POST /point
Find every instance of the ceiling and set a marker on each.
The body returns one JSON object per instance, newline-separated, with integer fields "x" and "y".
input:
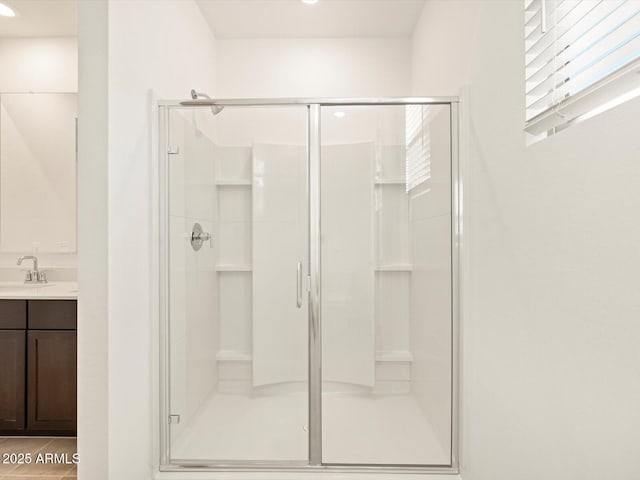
{"x": 327, "y": 18}
{"x": 243, "y": 18}
{"x": 40, "y": 18}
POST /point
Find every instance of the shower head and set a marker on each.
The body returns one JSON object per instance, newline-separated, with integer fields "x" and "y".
{"x": 216, "y": 109}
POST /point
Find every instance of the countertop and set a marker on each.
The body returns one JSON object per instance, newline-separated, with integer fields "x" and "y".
{"x": 48, "y": 291}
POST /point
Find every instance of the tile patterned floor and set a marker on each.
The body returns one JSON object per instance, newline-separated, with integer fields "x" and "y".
{"x": 37, "y": 447}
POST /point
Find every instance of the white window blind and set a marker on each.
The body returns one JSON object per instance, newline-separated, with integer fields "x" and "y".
{"x": 580, "y": 56}
{"x": 418, "y": 145}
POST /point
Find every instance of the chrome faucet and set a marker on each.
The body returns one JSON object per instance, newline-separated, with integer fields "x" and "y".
{"x": 35, "y": 275}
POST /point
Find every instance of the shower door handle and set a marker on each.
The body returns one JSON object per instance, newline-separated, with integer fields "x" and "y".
{"x": 299, "y": 286}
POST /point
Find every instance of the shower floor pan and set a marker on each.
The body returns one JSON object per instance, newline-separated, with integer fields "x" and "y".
{"x": 357, "y": 429}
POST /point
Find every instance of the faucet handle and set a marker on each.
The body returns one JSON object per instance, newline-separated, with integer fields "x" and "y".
{"x": 28, "y": 277}
{"x": 42, "y": 277}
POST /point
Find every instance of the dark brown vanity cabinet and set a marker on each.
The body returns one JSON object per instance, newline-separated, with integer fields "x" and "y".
{"x": 38, "y": 367}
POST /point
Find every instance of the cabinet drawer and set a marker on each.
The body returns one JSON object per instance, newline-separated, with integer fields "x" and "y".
{"x": 13, "y": 314}
{"x": 52, "y": 314}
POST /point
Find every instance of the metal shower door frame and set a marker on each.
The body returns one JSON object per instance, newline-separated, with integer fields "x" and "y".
{"x": 314, "y": 106}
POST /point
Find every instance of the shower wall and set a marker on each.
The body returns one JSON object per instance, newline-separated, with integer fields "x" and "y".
{"x": 279, "y": 241}
{"x": 347, "y": 242}
{"x": 234, "y": 170}
{"x": 393, "y": 269}
{"x": 324, "y": 68}
{"x": 316, "y": 68}
{"x": 383, "y": 213}
{"x": 260, "y": 161}
{"x": 366, "y": 301}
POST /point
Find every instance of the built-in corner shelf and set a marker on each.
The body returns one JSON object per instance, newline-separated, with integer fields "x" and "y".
{"x": 233, "y": 183}
{"x": 233, "y": 356}
{"x": 233, "y": 268}
{"x": 394, "y": 267}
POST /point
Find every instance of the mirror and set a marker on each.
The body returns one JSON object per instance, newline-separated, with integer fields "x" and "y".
{"x": 38, "y": 172}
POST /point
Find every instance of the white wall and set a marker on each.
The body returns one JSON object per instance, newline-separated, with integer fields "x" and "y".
{"x": 313, "y": 67}
{"x": 149, "y": 48}
{"x": 347, "y": 245}
{"x": 39, "y": 65}
{"x": 551, "y": 364}
{"x": 157, "y": 57}
{"x": 93, "y": 241}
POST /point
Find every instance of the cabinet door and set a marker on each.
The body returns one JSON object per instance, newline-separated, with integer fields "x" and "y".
{"x": 12, "y": 358}
{"x": 51, "y": 377}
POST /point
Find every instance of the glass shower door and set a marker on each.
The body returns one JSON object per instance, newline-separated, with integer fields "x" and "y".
{"x": 237, "y": 305}
{"x": 387, "y": 291}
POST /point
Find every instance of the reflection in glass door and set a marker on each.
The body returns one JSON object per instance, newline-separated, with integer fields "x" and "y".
{"x": 386, "y": 263}
{"x": 237, "y": 295}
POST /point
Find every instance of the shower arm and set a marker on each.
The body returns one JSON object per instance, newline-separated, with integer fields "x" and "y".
{"x": 215, "y": 109}
{"x": 195, "y": 95}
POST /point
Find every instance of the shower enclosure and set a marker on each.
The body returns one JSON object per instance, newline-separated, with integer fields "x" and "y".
{"x": 309, "y": 284}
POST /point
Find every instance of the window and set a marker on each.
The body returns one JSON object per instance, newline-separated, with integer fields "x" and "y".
{"x": 418, "y": 144}
{"x": 582, "y": 57}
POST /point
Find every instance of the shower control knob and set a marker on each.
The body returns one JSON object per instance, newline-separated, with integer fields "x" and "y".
{"x": 198, "y": 237}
